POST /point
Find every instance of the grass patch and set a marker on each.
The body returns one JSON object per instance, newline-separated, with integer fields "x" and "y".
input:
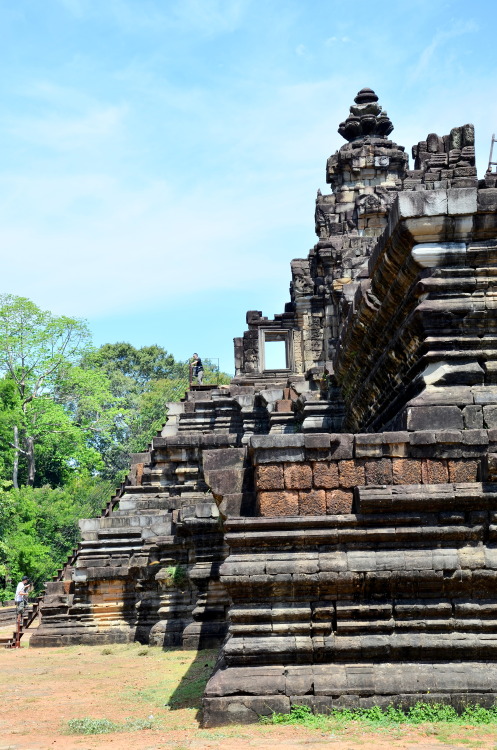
{"x": 180, "y": 685}
{"x": 189, "y": 693}
{"x": 420, "y": 713}
{"x": 105, "y": 726}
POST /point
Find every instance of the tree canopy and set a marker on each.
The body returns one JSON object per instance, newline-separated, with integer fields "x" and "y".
{"x": 70, "y": 415}
{"x": 36, "y": 348}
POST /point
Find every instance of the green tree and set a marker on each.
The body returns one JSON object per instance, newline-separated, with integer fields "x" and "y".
{"x": 39, "y": 527}
{"x": 144, "y": 380}
{"x": 35, "y": 347}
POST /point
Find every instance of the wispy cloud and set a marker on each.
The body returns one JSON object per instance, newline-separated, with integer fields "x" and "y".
{"x": 101, "y": 261}
{"x": 207, "y": 17}
{"x": 426, "y": 57}
{"x": 336, "y": 40}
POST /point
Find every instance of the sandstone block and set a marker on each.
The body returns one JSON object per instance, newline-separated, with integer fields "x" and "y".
{"x": 269, "y": 477}
{"x": 229, "y": 458}
{"x": 351, "y": 473}
{"x": 475, "y": 437}
{"x": 368, "y": 446}
{"x": 298, "y": 477}
{"x": 318, "y": 441}
{"x": 492, "y": 467}
{"x": 325, "y": 475}
{"x": 462, "y": 200}
{"x": 396, "y": 444}
{"x": 490, "y": 416}
{"x": 412, "y": 204}
{"x": 342, "y": 446}
{"x": 406, "y": 471}
{"x": 379, "y": 472}
{"x": 312, "y": 502}
{"x": 434, "y": 417}
{"x": 278, "y": 503}
{"x": 434, "y": 471}
{"x": 473, "y": 417}
{"x": 224, "y": 481}
{"x": 339, "y": 502}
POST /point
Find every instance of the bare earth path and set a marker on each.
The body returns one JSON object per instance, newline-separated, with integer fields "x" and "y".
{"x": 41, "y": 689}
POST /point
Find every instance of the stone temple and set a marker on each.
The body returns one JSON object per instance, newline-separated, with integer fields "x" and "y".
{"x": 331, "y": 525}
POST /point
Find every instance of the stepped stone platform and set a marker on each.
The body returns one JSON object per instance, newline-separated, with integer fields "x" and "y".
{"x": 333, "y": 523}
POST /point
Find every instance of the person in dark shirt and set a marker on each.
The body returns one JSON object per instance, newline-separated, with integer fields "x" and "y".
{"x": 197, "y": 368}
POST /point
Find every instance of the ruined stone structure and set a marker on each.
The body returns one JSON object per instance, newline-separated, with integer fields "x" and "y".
{"x": 335, "y": 521}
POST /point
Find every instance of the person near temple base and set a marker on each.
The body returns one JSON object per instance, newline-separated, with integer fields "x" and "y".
{"x": 21, "y": 598}
{"x": 197, "y": 368}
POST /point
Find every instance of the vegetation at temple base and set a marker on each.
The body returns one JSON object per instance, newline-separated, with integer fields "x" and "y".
{"x": 105, "y": 726}
{"x": 421, "y": 713}
{"x": 70, "y": 415}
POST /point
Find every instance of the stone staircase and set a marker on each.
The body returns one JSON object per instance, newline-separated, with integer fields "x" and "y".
{"x": 28, "y": 618}
{"x": 147, "y": 569}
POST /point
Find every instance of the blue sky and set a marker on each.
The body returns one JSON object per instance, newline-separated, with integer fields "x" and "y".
{"x": 160, "y": 158}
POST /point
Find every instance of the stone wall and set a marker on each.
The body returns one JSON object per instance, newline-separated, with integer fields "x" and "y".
{"x": 384, "y": 596}
{"x": 316, "y": 474}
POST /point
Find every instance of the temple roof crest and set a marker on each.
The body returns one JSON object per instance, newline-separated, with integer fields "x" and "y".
{"x": 366, "y": 118}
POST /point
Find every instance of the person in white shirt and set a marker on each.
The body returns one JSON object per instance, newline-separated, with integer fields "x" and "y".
{"x": 21, "y": 598}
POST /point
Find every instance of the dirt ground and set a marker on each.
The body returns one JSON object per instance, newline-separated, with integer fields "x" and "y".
{"x": 42, "y": 689}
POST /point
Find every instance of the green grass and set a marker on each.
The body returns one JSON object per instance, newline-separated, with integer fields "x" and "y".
{"x": 105, "y": 726}
{"x": 176, "y": 575}
{"x": 181, "y": 684}
{"x": 420, "y": 713}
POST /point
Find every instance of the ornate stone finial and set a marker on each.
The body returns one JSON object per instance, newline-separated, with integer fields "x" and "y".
{"x": 365, "y": 96}
{"x": 366, "y": 118}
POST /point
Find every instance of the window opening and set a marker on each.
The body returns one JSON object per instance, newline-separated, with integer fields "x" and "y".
{"x": 275, "y": 355}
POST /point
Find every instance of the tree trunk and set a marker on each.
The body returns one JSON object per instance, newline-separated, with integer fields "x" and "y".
{"x": 15, "y": 472}
{"x": 30, "y": 453}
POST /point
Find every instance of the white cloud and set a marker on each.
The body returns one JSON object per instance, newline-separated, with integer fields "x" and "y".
{"x": 440, "y": 38}
{"x": 131, "y": 246}
{"x": 334, "y": 39}
{"x": 301, "y": 50}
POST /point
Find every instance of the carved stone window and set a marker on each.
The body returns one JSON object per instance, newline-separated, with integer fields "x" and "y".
{"x": 276, "y": 352}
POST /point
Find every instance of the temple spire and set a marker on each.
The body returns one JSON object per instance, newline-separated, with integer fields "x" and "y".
{"x": 366, "y": 118}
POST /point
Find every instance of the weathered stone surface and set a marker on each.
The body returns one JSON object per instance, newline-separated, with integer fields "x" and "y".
{"x": 269, "y": 477}
{"x": 463, "y": 471}
{"x": 298, "y": 476}
{"x": 428, "y": 417}
{"x": 379, "y": 472}
{"x": 312, "y": 502}
{"x": 339, "y": 501}
{"x": 434, "y": 471}
{"x": 351, "y": 473}
{"x": 325, "y": 475}
{"x": 278, "y": 503}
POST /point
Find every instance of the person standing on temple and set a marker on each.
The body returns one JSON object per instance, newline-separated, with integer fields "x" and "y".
{"x": 197, "y": 368}
{"x": 21, "y": 598}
